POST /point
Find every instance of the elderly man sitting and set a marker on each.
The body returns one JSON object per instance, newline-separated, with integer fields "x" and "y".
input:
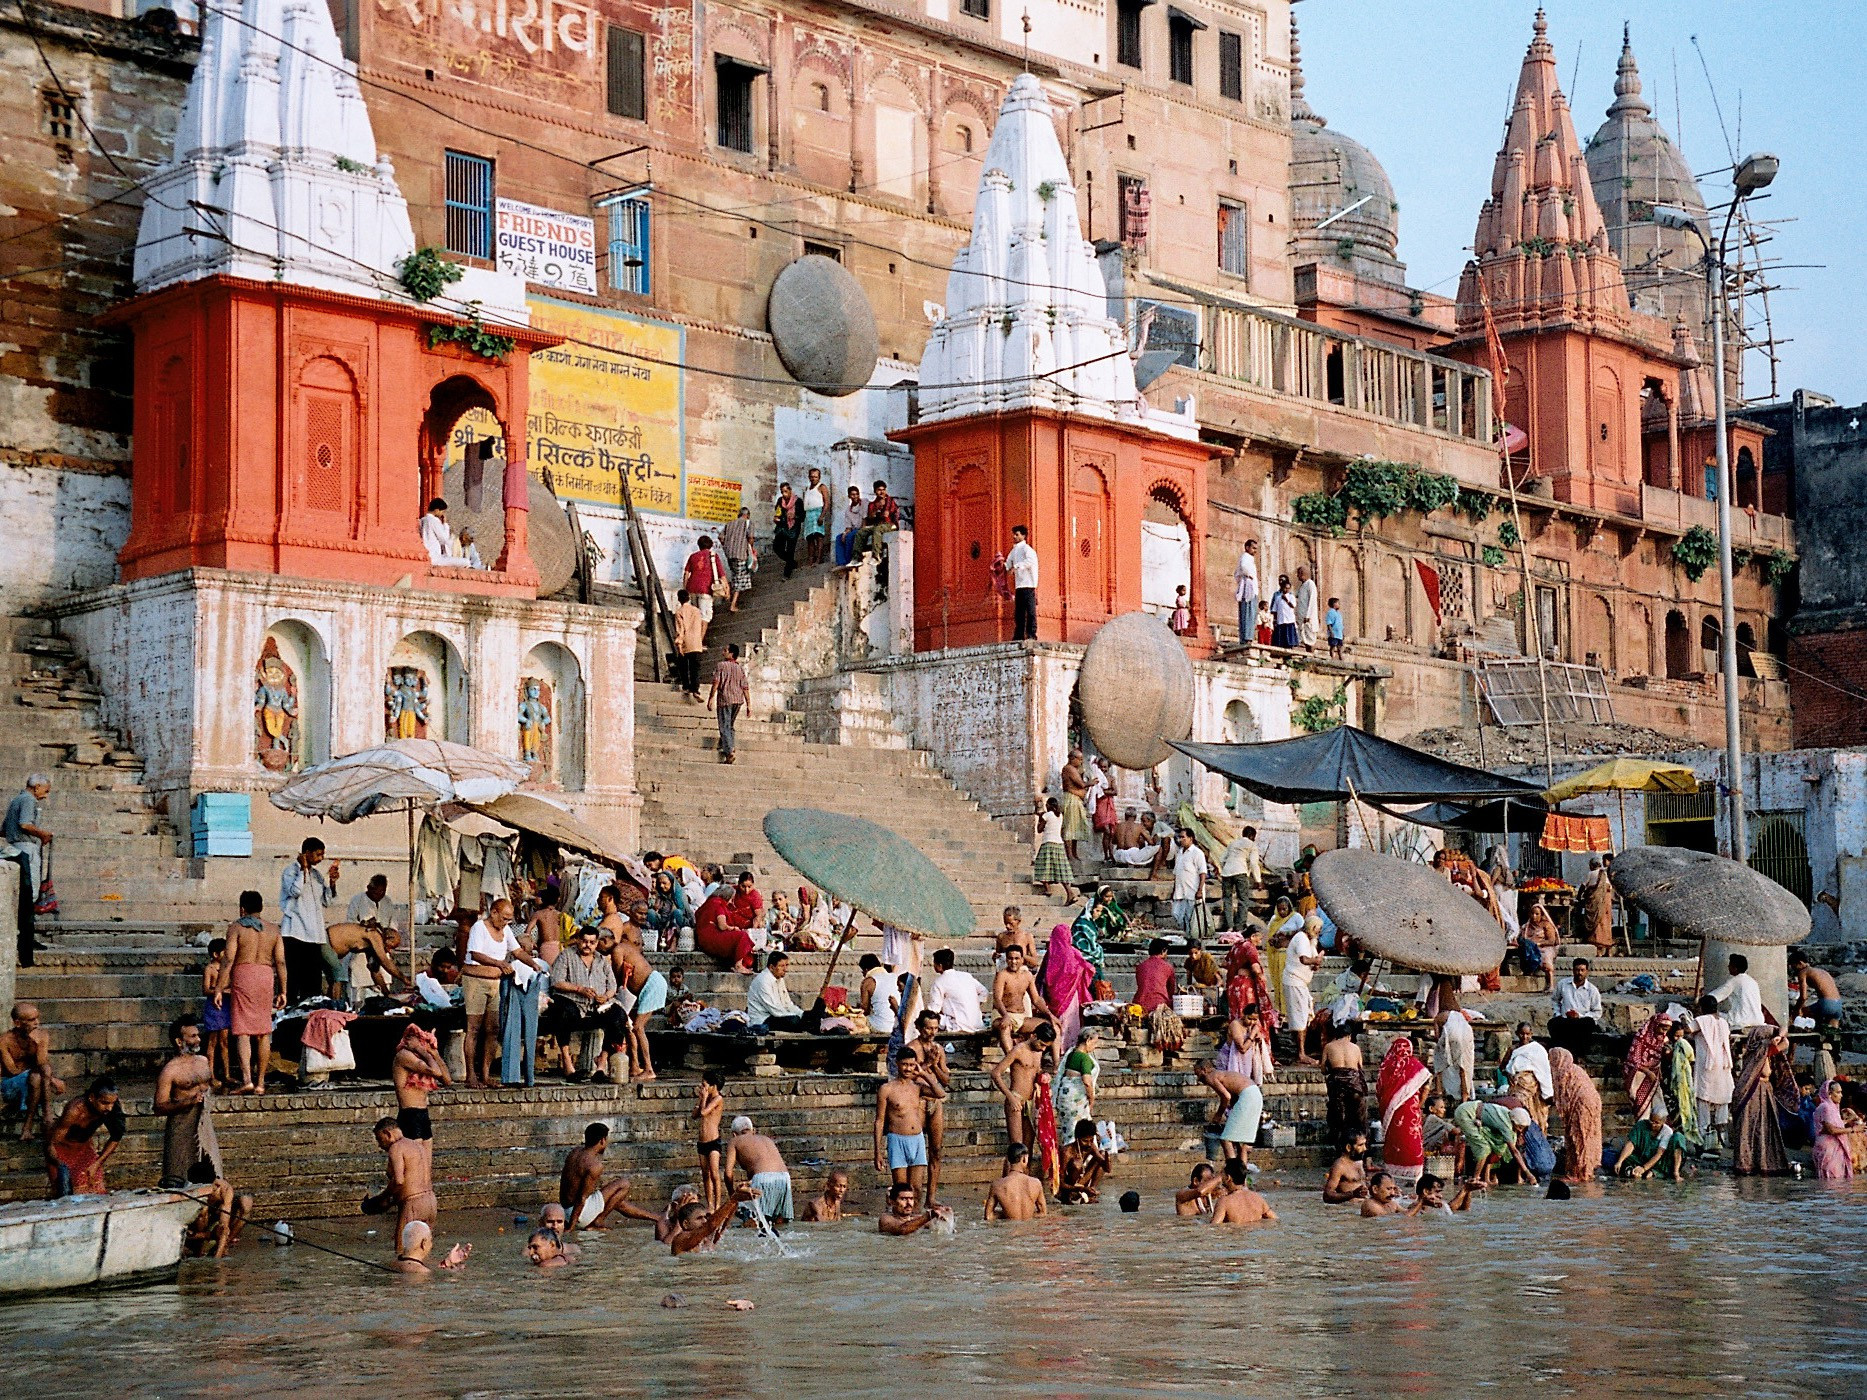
{"x": 1140, "y": 843}
{"x": 768, "y": 1000}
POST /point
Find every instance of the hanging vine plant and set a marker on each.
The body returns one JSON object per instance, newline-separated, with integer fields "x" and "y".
{"x": 1475, "y": 506}
{"x": 1695, "y": 551}
{"x": 473, "y": 337}
{"x": 1777, "y": 565}
{"x": 1493, "y": 557}
{"x": 1507, "y": 534}
{"x": 1319, "y": 713}
{"x": 1320, "y": 511}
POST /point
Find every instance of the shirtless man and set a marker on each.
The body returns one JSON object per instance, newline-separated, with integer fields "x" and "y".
{"x": 1015, "y": 1077}
{"x": 588, "y": 1200}
{"x": 1348, "y": 1174}
{"x": 415, "y": 1242}
{"x": 73, "y": 1166}
{"x": 546, "y": 925}
{"x": 1139, "y": 843}
{"x": 901, "y": 1217}
{"x": 755, "y": 1154}
{"x": 1084, "y": 1166}
{"x": 1430, "y": 1197}
{"x": 1817, "y": 996}
{"x": 182, "y": 1099}
{"x": 1240, "y": 1205}
{"x": 417, "y": 1069}
{"x": 901, "y": 1119}
{"x": 544, "y": 1248}
{"x": 709, "y": 1108}
{"x": 1015, "y": 998}
{"x": 695, "y": 1229}
{"x": 933, "y": 1058}
{"x": 410, "y": 1184}
{"x": 380, "y": 944}
{"x": 1014, "y": 935}
{"x": 650, "y": 990}
{"x": 1383, "y": 1197}
{"x": 1075, "y": 783}
{"x": 256, "y": 980}
{"x": 1016, "y": 1195}
{"x": 828, "y": 1208}
{"x": 26, "y": 1078}
{"x": 216, "y": 1229}
{"x": 614, "y": 921}
{"x": 1195, "y": 1198}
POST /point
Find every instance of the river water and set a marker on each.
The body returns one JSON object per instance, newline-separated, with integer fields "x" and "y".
{"x": 1740, "y": 1288}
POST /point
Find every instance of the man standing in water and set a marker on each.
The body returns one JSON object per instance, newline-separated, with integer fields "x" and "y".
{"x": 1016, "y": 1195}
{"x": 415, "y": 1242}
{"x": 827, "y": 1208}
{"x": 1015, "y": 1077}
{"x": 410, "y": 1185}
{"x": 182, "y": 1099}
{"x": 758, "y": 1156}
{"x": 1240, "y": 1205}
{"x": 901, "y": 1217}
{"x": 1348, "y": 1174}
{"x": 901, "y": 1119}
{"x": 933, "y": 1059}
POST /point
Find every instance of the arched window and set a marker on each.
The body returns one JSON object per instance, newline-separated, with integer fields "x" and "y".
{"x": 1748, "y": 496}
{"x": 1746, "y": 648}
{"x": 1678, "y": 646}
{"x": 965, "y": 138}
{"x": 820, "y": 93}
{"x": 1166, "y": 555}
{"x": 324, "y": 476}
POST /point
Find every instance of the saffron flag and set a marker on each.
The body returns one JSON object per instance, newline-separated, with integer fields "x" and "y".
{"x": 1429, "y": 580}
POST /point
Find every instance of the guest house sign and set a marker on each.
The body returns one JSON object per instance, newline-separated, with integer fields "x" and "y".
{"x": 547, "y": 248}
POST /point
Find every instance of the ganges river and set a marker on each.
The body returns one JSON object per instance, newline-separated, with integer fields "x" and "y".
{"x": 1713, "y": 1287}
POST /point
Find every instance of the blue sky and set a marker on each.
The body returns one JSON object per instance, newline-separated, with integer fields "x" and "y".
{"x": 1426, "y": 86}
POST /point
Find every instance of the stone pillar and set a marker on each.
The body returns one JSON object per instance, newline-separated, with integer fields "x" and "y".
{"x": 1770, "y": 966}
{"x": 9, "y": 934}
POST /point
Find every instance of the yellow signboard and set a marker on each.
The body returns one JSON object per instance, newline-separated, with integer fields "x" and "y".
{"x": 712, "y": 498}
{"x": 609, "y": 400}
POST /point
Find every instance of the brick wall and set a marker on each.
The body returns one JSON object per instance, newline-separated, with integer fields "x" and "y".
{"x": 68, "y": 214}
{"x": 1828, "y": 688}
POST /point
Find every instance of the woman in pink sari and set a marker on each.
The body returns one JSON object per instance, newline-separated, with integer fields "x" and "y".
{"x": 1402, "y": 1090}
{"x": 1066, "y": 976}
{"x": 1833, "y": 1161}
{"x": 1579, "y": 1102}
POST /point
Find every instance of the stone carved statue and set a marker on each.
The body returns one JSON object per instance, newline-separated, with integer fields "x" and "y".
{"x": 534, "y": 716}
{"x": 405, "y": 703}
{"x": 275, "y": 711}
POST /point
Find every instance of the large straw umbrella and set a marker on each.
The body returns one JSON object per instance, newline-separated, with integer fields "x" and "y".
{"x": 872, "y": 870}
{"x": 1406, "y": 912}
{"x": 406, "y": 773}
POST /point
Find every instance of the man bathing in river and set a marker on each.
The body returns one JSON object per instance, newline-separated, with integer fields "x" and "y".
{"x": 901, "y": 1119}
{"x": 1084, "y": 1166}
{"x": 902, "y": 1216}
{"x": 417, "y": 1069}
{"x": 1383, "y": 1197}
{"x": 709, "y": 1108}
{"x": 766, "y": 1173}
{"x": 934, "y": 1063}
{"x": 1017, "y": 1195}
{"x": 545, "y": 1249}
{"x": 416, "y": 1242}
{"x": 74, "y": 1165}
{"x": 410, "y": 1185}
{"x": 829, "y": 1207}
{"x": 587, "y": 1198}
{"x": 1348, "y": 1174}
{"x": 1240, "y": 1205}
{"x": 695, "y": 1229}
{"x": 1195, "y": 1198}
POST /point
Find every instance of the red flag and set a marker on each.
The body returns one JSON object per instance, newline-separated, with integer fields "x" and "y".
{"x": 1494, "y": 347}
{"x": 1429, "y": 580}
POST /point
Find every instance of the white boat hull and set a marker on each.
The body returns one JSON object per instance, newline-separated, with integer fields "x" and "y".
{"x": 83, "y": 1241}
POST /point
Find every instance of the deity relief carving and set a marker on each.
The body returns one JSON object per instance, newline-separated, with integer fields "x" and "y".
{"x": 405, "y": 703}
{"x": 276, "y": 732}
{"x": 535, "y": 725}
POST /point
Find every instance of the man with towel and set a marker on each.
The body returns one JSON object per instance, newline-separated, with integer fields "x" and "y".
{"x": 1455, "y": 1056}
{"x": 256, "y": 978}
{"x": 758, "y": 1156}
{"x": 188, "y": 1139}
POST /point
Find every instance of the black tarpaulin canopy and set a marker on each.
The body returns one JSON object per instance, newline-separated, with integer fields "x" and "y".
{"x": 1506, "y": 814}
{"x": 1342, "y": 764}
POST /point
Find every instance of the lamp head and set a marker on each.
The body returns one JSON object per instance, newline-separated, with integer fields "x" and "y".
{"x": 1755, "y": 172}
{"x": 1674, "y": 218}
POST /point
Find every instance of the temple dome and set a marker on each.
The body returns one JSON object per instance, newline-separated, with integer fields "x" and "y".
{"x": 1329, "y": 173}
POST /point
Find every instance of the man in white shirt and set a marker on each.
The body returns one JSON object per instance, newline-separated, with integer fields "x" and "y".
{"x": 1301, "y": 959}
{"x": 1306, "y": 608}
{"x": 957, "y": 996}
{"x": 1245, "y": 590}
{"x": 768, "y": 1000}
{"x": 436, "y": 536}
{"x": 1577, "y": 1008}
{"x": 1745, "y": 996}
{"x": 304, "y": 894}
{"x": 373, "y": 906}
{"x": 1022, "y": 563}
{"x": 1189, "y": 880}
{"x": 1241, "y": 870}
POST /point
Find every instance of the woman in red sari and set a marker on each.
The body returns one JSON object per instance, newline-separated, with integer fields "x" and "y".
{"x": 719, "y": 934}
{"x": 1402, "y": 1089}
{"x": 1246, "y": 990}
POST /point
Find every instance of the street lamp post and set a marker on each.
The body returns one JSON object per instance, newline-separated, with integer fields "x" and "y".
{"x": 1752, "y": 174}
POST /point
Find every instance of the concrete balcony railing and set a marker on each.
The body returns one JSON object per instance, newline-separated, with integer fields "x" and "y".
{"x": 1677, "y": 510}
{"x": 1296, "y": 358}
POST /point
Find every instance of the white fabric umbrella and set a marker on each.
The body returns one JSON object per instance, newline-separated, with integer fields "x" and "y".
{"x": 406, "y": 773}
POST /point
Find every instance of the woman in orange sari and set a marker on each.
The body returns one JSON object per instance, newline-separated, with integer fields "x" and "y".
{"x": 1578, "y": 1101}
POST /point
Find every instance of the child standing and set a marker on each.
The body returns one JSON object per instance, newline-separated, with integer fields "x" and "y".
{"x": 216, "y": 1014}
{"x": 1333, "y": 622}
{"x": 1264, "y": 624}
{"x": 1180, "y": 622}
